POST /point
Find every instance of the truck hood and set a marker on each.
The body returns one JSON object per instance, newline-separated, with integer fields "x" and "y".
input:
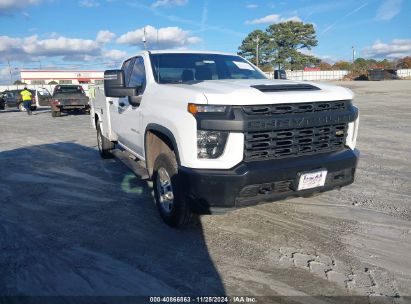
{"x": 243, "y": 92}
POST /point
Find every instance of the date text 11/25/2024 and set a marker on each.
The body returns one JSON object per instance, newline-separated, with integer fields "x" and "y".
{"x": 239, "y": 299}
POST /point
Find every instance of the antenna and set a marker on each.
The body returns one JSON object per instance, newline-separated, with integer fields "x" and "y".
{"x": 144, "y": 39}
{"x": 157, "y": 39}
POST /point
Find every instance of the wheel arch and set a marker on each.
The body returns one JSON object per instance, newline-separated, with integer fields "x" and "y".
{"x": 158, "y": 139}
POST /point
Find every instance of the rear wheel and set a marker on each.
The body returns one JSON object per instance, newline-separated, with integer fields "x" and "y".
{"x": 105, "y": 147}
{"x": 34, "y": 108}
{"x": 21, "y": 107}
{"x": 170, "y": 202}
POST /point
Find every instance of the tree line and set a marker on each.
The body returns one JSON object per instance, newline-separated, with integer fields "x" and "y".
{"x": 361, "y": 64}
{"x": 286, "y": 45}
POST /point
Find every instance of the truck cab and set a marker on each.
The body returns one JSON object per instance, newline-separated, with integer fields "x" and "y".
{"x": 215, "y": 134}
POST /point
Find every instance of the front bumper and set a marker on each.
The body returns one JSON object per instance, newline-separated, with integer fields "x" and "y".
{"x": 251, "y": 183}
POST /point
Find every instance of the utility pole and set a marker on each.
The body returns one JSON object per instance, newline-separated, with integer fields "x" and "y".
{"x": 353, "y": 54}
{"x": 258, "y": 41}
{"x": 11, "y": 75}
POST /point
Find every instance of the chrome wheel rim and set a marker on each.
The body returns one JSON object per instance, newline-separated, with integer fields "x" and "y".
{"x": 165, "y": 190}
{"x": 22, "y": 108}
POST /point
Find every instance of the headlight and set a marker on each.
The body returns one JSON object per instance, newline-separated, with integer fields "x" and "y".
{"x": 210, "y": 144}
{"x": 352, "y": 132}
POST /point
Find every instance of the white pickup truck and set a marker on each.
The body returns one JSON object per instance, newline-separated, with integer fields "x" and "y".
{"x": 214, "y": 133}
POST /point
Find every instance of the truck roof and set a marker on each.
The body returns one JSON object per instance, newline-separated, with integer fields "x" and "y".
{"x": 185, "y": 52}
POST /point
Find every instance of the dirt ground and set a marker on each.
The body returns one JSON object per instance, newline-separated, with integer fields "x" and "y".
{"x": 72, "y": 224}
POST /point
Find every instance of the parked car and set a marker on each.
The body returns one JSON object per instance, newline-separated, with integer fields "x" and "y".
{"x": 41, "y": 97}
{"x": 11, "y": 98}
{"x": 2, "y": 101}
{"x": 214, "y": 133}
{"x": 68, "y": 98}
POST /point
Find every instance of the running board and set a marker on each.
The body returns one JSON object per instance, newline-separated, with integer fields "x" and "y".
{"x": 132, "y": 163}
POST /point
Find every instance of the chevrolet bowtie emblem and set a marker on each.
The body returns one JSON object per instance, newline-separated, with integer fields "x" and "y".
{"x": 339, "y": 132}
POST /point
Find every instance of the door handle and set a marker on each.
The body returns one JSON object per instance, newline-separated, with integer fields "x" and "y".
{"x": 110, "y": 102}
{"x": 121, "y": 104}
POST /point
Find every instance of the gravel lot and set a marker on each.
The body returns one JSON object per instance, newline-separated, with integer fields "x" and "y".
{"x": 73, "y": 224}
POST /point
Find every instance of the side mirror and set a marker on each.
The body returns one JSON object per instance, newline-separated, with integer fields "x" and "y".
{"x": 114, "y": 84}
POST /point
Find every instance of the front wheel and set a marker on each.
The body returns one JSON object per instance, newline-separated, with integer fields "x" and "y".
{"x": 173, "y": 208}
{"x": 105, "y": 147}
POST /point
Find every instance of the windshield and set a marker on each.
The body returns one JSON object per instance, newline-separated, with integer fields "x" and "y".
{"x": 43, "y": 92}
{"x": 186, "y": 68}
{"x": 68, "y": 89}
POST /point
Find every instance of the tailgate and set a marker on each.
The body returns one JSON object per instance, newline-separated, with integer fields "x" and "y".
{"x": 71, "y": 100}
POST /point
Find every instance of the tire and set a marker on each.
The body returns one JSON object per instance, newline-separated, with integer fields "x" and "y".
{"x": 33, "y": 108}
{"x": 173, "y": 208}
{"x": 55, "y": 113}
{"x": 105, "y": 147}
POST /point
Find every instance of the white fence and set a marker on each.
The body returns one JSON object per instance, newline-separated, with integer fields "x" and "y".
{"x": 313, "y": 75}
{"x": 292, "y": 75}
{"x": 328, "y": 75}
{"x": 316, "y": 75}
{"x": 404, "y": 73}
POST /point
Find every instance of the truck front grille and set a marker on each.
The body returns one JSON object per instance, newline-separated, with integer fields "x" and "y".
{"x": 295, "y": 141}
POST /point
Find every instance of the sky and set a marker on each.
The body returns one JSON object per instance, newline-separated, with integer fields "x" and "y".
{"x": 100, "y": 34}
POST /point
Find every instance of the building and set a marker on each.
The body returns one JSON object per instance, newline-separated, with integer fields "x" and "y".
{"x": 42, "y": 77}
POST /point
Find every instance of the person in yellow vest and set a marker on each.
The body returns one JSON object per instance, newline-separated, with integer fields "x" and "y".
{"x": 26, "y": 97}
{"x": 91, "y": 93}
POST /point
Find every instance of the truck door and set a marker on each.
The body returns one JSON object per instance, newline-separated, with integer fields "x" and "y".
{"x": 117, "y": 110}
{"x": 130, "y": 133}
{"x": 43, "y": 97}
